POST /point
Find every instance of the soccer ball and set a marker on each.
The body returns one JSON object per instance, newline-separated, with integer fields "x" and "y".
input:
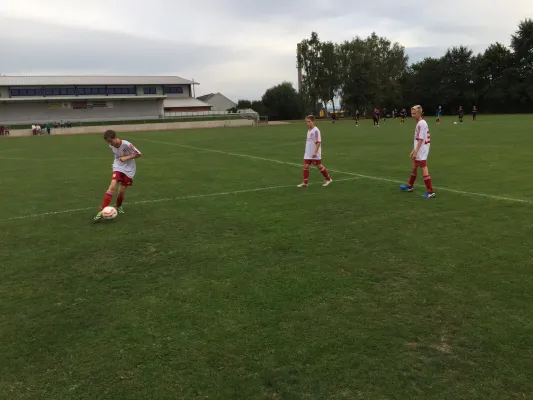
{"x": 109, "y": 212}
{"x": 455, "y": 123}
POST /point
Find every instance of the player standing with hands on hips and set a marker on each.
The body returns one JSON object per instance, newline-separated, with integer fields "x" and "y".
{"x": 420, "y": 154}
{"x": 313, "y": 152}
{"x": 124, "y": 169}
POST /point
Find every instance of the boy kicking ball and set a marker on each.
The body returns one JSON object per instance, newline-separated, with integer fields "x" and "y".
{"x": 313, "y": 152}
{"x": 123, "y": 170}
{"x": 420, "y": 154}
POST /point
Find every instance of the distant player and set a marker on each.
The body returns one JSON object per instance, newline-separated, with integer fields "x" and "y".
{"x": 375, "y": 116}
{"x": 438, "y": 113}
{"x": 403, "y": 114}
{"x": 474, "y": 113}
{"x": 460, "y": 114}
{"x": 420, "y": 154}
{"x": 313, "y": 152}
{"x": 124, "y": 169}
{"x": 356, "y": 117}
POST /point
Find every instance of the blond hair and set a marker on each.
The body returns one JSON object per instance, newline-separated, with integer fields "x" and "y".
{"x": 418, "y": 109}
{"x": 310, "y": 118}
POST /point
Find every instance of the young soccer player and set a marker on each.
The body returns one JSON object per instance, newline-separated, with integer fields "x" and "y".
{"x": 474, "y": 113}
{"x": 313, "y": 152}
{"x": 403, "y": 114}
{"x": 123, "y": 170}
{"x": 439, "y": 112}
{"x": 460, "y": 114}
{"x": 356, "y": 117}
{"x": 377, "y": 115}
{"x": 420, "y": 153}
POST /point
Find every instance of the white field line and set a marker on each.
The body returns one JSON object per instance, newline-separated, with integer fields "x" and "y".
{"x": 150, "y": 201}
{"x": 377, "y": 178}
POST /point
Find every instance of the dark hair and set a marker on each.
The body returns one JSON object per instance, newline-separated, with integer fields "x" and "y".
{"x": 110, "y": 134}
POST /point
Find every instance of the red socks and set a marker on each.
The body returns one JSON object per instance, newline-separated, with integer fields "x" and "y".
{"x": 412, "y": 179}
{"x": 107, "y": 200}
{"x": 306, "y": 175}
{"x": 324, "y": 172}
{"x": 427, "y": 181}
{"x": 120, "y": 199}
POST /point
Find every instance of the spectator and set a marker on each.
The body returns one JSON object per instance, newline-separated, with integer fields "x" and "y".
{"x": 48, "y": 127}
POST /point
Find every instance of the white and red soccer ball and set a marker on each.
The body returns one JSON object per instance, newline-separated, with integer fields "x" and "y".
{"x": 109, "y": 212}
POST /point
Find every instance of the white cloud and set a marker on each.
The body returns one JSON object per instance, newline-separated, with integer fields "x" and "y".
{"x": 236, "y": 47}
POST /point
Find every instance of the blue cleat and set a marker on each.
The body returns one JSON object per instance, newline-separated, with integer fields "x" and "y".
{"x": 406, "y": 188}
{"x": 428, "y": 195}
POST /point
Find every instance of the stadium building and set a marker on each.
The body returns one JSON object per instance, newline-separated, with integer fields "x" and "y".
{"x": 38, "y": 99}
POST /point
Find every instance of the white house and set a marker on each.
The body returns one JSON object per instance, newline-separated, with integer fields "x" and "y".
{"x": 218, "y": 101}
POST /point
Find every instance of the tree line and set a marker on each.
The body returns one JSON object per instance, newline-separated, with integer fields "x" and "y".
{"x": 363, "y": 73}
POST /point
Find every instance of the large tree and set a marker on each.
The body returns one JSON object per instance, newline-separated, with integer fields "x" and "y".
{"x": 495, "y": 78}
{"x": 522, "y": 45}
{"x": 308, "y": 59}
{"x": 282, "y": 102}
{"x": 373, "y": 71}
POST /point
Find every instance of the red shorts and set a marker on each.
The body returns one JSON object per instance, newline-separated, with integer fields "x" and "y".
{"x": 313, "y": 161}
{"x": 421, "y": 163}
{"x": 121, "y": 177}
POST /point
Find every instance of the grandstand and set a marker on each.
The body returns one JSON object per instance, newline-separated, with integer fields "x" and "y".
{"x": 31, "y": 99}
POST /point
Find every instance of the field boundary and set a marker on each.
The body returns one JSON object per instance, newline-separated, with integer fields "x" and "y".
{"x": 162, "y": 126}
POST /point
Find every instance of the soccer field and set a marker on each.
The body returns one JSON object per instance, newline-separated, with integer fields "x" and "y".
{"x": 224, "y": 281}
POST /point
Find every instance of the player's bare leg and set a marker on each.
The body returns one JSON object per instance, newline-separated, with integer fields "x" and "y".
{"x": 120, "y": 198}
{"x": 107, "y": 198}
{"x": 427, "y": 180}
{"x": 325, "y": 174}
{"x": 305, "y": 182}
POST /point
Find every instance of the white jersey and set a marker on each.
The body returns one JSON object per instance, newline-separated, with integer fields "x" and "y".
{"x": 313, "y": 137}
{"x": 125, "y": 149}
{"x": 422, "y": 133}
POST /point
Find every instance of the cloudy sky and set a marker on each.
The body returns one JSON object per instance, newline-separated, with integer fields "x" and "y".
{"x": 236, "y": 47}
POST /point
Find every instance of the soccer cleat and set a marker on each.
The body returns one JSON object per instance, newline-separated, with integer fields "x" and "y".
{"x": 302, "y": 185}
{"x": 326, "y": 183}
{"x": 406, "y": 188}
{"x": 98, "y": 216}
{"x": 428, "y": 195}
{"x": 120, "y": 210}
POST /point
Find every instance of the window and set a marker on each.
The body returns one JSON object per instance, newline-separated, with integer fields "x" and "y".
{"x": 20, "y": 92}
{"x": 150, "y": 90}
{"x": 56, "y": 91}
{"x": 52, "y": 91}
{"x": 91, "y": 91}
{"x": 121, "y": 90}
{"x": 172, "y": 89}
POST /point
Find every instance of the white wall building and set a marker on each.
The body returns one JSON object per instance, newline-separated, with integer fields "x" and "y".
{"x": 218, "y": 101}
{"x": 40, "y": 99}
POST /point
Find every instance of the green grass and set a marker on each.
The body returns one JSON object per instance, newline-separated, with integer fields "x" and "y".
{"x": 355, "y": 291}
